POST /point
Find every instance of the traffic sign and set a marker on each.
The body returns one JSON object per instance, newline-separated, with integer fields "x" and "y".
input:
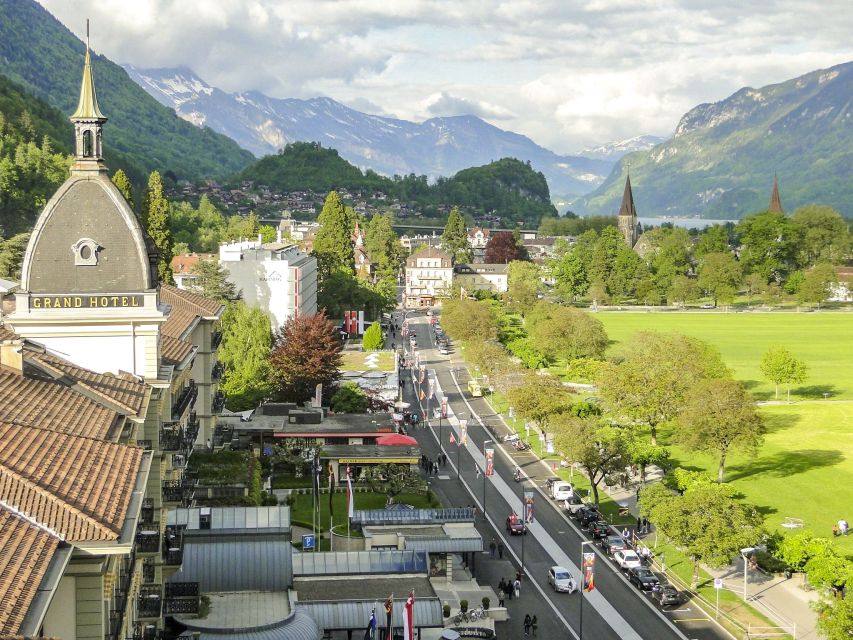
{"x": 718, "y": 583}
{"x": 307, "y": 542}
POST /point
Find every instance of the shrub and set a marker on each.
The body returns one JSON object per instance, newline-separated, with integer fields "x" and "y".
{"x": 373, "y": 340}
{"x": 486, "y": 602}
{"x": 463, "y": 606}
{"x": 445, "y": 610}
{"x": 350, "y": 398}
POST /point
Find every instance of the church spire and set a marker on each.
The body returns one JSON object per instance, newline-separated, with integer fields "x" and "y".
{"x": 88, "y": 122}
{"x": 627, "y": 219}
{"x": 775, "y": 200}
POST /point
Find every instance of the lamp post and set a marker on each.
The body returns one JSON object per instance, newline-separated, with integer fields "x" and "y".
{"x": 485, "y": 473}
{"x": 745, "y": 553}
{"x": 580, "y": 605}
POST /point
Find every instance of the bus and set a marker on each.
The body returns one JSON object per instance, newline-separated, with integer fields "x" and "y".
{"x": 474, "y": 389}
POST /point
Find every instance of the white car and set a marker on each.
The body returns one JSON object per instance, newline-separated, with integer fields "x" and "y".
{"x": 572, "y": 503}
{"x": 562, "y": 490}
{"x": 443, "y": 351}
{"x": 627, "y": 559}
{"x": 561, "y": 580}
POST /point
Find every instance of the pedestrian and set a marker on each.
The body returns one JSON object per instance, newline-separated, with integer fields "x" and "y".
{"x": 646, "y": 555}
{"x": 435, "y": 468}
{"x": 527, "y": 621}
{"x": 508, "y": 589}
{"x": 501, "y": 597}
{"x": 477, "y": 467}
{"x": 516, "y": 587}
{"x": 843, "y": 527}
{"x": 534, "y": 623}
{"x": 501, "y": 550}
{"x": 493, "y": 547}
{"x": 626, "y": 536}
{"x": 639, "y": 524}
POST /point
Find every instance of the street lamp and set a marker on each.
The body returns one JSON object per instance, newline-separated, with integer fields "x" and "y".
{"x": 745, "y": 553}
{"x": 485, "y": 473}
{"x": 580, "y": 613}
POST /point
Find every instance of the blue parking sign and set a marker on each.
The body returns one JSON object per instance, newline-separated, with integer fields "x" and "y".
{"x": 307, "y": 542}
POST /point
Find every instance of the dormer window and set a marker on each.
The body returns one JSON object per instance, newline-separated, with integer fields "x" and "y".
{"x": 85, "y": 252}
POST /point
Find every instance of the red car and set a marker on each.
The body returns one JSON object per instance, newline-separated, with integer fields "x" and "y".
{"x": 515, "y": 526}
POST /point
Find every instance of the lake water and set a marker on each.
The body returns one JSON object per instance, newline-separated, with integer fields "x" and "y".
{"x": 687, "y": 223}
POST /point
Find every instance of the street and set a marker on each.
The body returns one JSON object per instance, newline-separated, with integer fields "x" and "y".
{"x": 615, "y": 609}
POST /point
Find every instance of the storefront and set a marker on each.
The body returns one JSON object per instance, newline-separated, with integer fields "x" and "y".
{"x": 359, "y": 457}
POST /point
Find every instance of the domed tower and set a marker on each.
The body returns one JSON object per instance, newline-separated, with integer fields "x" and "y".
{"x": 88, "y": 286}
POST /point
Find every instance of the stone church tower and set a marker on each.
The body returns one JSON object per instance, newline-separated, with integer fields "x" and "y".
{"x": 627, "y": 219}
{"x": 89, "y": 281}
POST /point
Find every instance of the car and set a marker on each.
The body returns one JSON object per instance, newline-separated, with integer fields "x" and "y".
{"x": 443, "y": 351}
{"x": 611, "y": 544}
{"x": 580, "y": 513}
{"x": 627, "y": 559}
{"x": 561, "y": 580}
{"x": 599, "y": 529}
{"x": 429, "y": 313}
{"x": 588, "y": 518}
{"x": 515, "y": 526}
{"x": 562, "y": 490}
{"x": 666, "y": 595}
{"x": 549, "y": 483}
{"x": 573, "y": 503}
{"x": 707, "y": 306}
{"x": 643, "y": 578}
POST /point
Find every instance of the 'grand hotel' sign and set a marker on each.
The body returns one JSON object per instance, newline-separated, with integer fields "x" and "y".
{"x": 86, "y": 302}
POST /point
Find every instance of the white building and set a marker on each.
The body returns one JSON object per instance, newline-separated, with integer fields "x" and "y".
{"x": 482, "y": 277}
{"x": 275, "y": 276}
{"x": 429, "y": 273}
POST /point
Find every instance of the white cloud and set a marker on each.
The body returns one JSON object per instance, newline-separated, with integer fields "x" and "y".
{"x": 567, "y": 73}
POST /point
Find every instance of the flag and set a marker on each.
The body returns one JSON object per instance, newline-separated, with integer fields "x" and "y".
{"x": 452, "y": 438}
{"x": 350, "y": 496}
{"x": 370, "y": 633}
{"x": 331, "y": 490}
{"x": 588, "y": 569}
{"x": 409, "y": 618}
{"x": 423, "y": 395}
{"x": 389, "y": 610}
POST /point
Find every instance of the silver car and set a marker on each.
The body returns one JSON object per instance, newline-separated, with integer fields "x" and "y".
{"x": 561, "y": 580}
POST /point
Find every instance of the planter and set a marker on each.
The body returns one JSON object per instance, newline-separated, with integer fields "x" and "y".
{"x": 340, "y": 542}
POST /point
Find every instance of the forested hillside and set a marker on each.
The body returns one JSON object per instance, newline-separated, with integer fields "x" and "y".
{"x": 46, "y": 59}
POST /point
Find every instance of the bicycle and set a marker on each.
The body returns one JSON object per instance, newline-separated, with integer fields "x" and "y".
{"x": 477, "y": 614}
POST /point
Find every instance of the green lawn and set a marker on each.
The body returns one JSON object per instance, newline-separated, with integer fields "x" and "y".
{"x": 355, "y": 361}
{"x": 823, "y": 340}
{"x": 804, "y": 470}
{"x": 300, "y": 510}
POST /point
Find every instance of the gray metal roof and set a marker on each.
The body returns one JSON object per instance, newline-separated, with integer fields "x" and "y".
{"x": 298, "y": 626}
{"x": 237, "y": 563}
{"x": 368, "y": 451}
{"x": 355, "y": 614}
{"x": 231, "y": 518}
{"x": 443, "y": 544}
{"x": 359, "y": 562}
{"x": 413, "y": 516}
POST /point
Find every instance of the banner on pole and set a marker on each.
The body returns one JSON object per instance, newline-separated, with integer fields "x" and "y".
{"x": 389, "y": 611}
{"x": 421, "y": 373}
{"x": 528, "y": 506}
{"x": 444, "y": 407}
{"x": 463, "y": 432}
{"x": 350, "y": 496}
{"x": 588, "y": 570}
{"x": 409, "y": 618}
{"x": 490, "y": 461}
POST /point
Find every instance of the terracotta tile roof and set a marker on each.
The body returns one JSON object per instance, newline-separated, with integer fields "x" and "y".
{"x": 56, "y": 407}
{"x": 25, "y": 554}
{"x": 8, "y": 334}
{"x": 125, "y": 391}
{"x": 178, "y": 323}
{"x": 78, "y": 487}
{"x": 185, "y": 263}
{"x": 199, "y": 305}
{"x": 173, "y": 350}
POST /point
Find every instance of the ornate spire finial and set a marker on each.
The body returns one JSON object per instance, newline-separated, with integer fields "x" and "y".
{"x": 87, "y": 106}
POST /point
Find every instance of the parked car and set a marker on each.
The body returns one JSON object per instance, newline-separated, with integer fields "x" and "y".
{"x": 562, "y": 490}
{"x": 599, "y": 529}
{"x": 583, "y": 511}
{"x": 643, "y": 578}
{"x": 611, "y": 544}
{"x": 572, "y": 503}
{"x": 515, "y": 526}
{"x": 549, "y": 482}
{"x": 444, "y": 351}
{"x": 561, "y": 579}
{"x": 627, "y": 559}
{"x": 666, "y": 595}
{"x": 589, "y": 517}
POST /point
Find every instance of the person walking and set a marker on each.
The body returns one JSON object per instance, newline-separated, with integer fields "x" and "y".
{"x": 527, "y": 621}
{"x": 493, "y": 547}
{"x": 516, "y": 587}
{"x": 534, "y": 623}
{"x": 501, "y": 550}
{"x": 508, "y": 589}
{"x": 501, "y": 593}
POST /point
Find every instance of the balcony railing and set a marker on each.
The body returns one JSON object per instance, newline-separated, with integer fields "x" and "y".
{"x": 148, "y": 540}
{"x": 217, "y": 371}
{"x": 185, "y": 398}
{"x": 173, "y": 547}
{"x": 218, "y": 402}
{"x": 173, "y": 491}
{"x": 146, "y": 632}
{"x": 149, "y": 601}
{"x": 145, "y": 444}
{"x": 182, "y": 597}
{"x": 216, "y": 339}
{"x": 149, "y": 570}
{"x": 171, "y": 437}
{"x": 146, "y": 514}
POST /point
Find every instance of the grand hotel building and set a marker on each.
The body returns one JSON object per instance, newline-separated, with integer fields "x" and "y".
{"x": 107, "y": 383}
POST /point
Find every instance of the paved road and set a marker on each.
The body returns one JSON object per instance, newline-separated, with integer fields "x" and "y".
{"x": 615, "y": 609}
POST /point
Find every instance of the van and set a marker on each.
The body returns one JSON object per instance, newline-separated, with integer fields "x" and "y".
{"x": 474, "y": 389}
{"x": 562, "y": 490}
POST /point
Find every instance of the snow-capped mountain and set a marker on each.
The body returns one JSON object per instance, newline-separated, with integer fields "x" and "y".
{"x": 615, "y": 150}
{"x": 435, "y": 147}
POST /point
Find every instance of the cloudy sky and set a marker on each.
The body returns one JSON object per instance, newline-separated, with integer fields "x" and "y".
{"x": 567, "y": 73}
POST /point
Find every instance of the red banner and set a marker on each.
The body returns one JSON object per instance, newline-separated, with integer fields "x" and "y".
{"x": 588, "y": 570}
{"x": 490, "y": 461}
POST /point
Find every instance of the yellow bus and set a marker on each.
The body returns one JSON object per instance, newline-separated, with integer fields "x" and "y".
{"x": 474, "y": 389}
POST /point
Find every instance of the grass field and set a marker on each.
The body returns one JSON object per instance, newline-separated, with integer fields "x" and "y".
{"x": 355, "y": 361}
{"x": 823, "y": 340}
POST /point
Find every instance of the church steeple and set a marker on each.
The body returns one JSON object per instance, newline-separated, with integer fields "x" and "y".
{"x": 775, "y": 200}
{"x": 627, "y": 219}
{"x": 88, "y": 122}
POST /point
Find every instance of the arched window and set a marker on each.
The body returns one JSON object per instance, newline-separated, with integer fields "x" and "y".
{"x": 87, "y": 144}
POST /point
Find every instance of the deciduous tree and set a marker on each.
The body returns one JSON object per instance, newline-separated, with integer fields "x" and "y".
{"x": 825, "y": 235}
{"x": 12, "y": 255}
{"x": 454, "y": 240}
{"x": 683, "y": 290}
{"x": 570, "y": 334}
{"x": 156, "y": 218}
{"x": 817, "y": 283}
{"x": 468, "y": 319}
{"x": 719, "y": 415}
{"x": 244, "y": 352}
{"x": 769, "y": 245}
{"x": 539, "y": 399}
{"x": 333, "y": 241}
{"x": 835, "y": 617}
{"x": 523, "y": 285}
{"x": 714, "y": 239}
{"x": 719, "y": 275}
{"x": 349, "y": 398}
{"x": 502, "y": 248}
{"x": 570, "y": 276}
{"x": 781, "y": 367}
{"x": 306, "y": 352}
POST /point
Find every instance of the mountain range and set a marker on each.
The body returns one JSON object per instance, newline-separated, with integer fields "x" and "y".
{"x": 390, "y": 146}
{"x": 722, "y": 158}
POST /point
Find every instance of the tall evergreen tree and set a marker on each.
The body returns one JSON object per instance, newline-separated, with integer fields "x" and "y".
{"x": 454, "y": 240}
{"x": 121, "y": 181}
{"x": 333, "y": 242}
{"x": 212, "y": 282}
{"x": 382, "y": 245}
{"x": 156, "y": 218}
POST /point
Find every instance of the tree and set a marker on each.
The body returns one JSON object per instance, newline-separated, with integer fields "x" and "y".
{"x": 333, "y": 241}
{"x": 570, "y": 334}
{"x": 156, "y": 218}
{"x": 601, "y": 450}
{"x": 817, "y": 283}
{"x": 797, "y": 549}
{"x": 244, "y": 352}
{"x": 523, "y": 285}
{"x": 468, "y": 319}
{"x": 454, "y": 240}
{"x": 539, "y": 399}
{"x": 769, "y": 245}
{"x": 754, "y": 284}
{"x": 349, "y": 398}
{"x": 781, "y": 367}
{"x": 682, "y": 290}
{"x": 268, "y": 233}
{"x": 392, "y": 479}
{"x": 650, "y": 384}
{"x": 671, "y": 256}
{"x": 714, "y": 239}
{"x": 627, "y": 268}
{"x": 502, "y": 248}
{"x": 373, "y": 340}
{"x": 719, "y": 275}
{"x": 835, "y": 617}
{"x": 12, "y": 255}
{"x": 706, "y": 522}
{"x": 212, "y": 282}
{"x": 383, "y": 246}
{"x": 570, "y": 276}
{"x": 306, "y": 352}
{"x": 645, "y": 453}
{"x": 719, "y": 415}
{"x": 604, "y": 255}
{"x": 825, "y": 236}
{"x": 121, "y": 181}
